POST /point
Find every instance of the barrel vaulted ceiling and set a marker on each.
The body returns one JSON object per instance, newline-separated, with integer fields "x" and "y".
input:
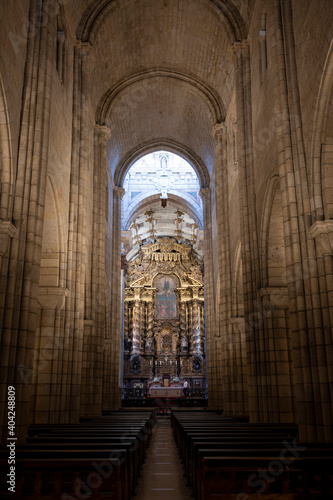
{"x": 162, "y": 71}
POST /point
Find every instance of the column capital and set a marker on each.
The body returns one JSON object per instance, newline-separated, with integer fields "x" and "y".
{"x": 103, "y": 130}
{"x": 322, "y": 232}
{"x": 7, "y": 231}
{"x": 275, "y": 297}
{"x": 118, "y": 191}
{"x": 204, "y": 192}
{"x": 84, "y": 46}
{"x": 7, "y": 228}
{"x": 239, "y": 322}
{"x": 240, "y": 45}
{"x": 85, "y": 51}
{"x": 218, "y": 131}
{"x": 61, "y": 36}
{"x": 52, "y": 297}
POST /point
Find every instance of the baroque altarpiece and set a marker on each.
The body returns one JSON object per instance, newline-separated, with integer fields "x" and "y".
{"x": 164, "y": 331}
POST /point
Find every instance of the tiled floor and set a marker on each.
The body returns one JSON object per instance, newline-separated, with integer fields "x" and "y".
{"x": 162, "y": 474}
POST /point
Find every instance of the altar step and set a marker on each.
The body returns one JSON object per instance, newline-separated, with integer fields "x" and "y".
{"x": 162, "y": 475}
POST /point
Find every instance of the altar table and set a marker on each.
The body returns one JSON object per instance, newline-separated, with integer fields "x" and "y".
{"x": 166, "y": 392}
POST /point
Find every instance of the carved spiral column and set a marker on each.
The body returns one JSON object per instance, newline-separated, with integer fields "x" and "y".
{"x": 196, "y": 324}
{"x": 150, "y": 337}
{"x": 136, "y": 335}
{"x": 183, "y": 330}
{"x": 190, "y": 327}
{"x": 126, "y": 324}
{"x": 202, "y": 327}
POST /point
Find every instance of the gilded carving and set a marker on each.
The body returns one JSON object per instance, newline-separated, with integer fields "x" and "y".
{"x": 164, "y": 298}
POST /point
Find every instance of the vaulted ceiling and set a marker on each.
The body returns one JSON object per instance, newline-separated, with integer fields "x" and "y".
{"x": 162, "y": 71}
{"x": 161, "y": 76}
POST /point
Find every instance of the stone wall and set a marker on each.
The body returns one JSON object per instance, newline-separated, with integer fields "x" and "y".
{"x": 245, "y": 94}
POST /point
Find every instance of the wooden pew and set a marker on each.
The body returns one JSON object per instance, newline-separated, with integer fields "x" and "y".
{"x": 119, "y": 440}
{"x": 241, "y": 478}
{"x": 65, "y": 479}
{"x": 222, "y": 458}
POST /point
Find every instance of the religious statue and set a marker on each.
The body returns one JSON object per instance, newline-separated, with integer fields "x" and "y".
{"x": 184, "y": 343}
{"x": 149, "y": 344}
{"x": 135, "y": 360}
{"x": 197, "y": 363}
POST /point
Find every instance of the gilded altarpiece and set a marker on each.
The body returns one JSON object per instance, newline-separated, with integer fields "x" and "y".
{"x": 164, "y": 334}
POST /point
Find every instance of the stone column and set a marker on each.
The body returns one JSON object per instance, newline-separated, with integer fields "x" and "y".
{"x": 311, "y": 326}
{"x": 209, "y": 302}
{"x": 7, "y": 232}
{"x": 116, "y": 304}
{"x": 322, "y": 234}
{"x": 239, "y": 404}
{"x": 81, "y": 181}
{"x": 249, "y": 237}
{"x": 227, "y": 371}
{"x": 96, "y": 295}
{"x": 19, "y": 318}
{"x": 278, "y": 354}
{"x": 60, "y": 57}
{"x": 47, "y": 359}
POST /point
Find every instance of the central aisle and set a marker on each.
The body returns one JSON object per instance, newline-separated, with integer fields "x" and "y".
{"x": 162, "y": 473}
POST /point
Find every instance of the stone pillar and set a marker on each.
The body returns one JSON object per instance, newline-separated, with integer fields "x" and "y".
{"x": 116, "y": 304}
{"x": 224, "y": 332}
{"x": 7, "y": 232}
{"x": 69, "y": 379}
{"x": 238, "y": 370}
{"x": 249, "y": 237}
{"x": 322, "y": 234}
{"x": 60, "y": 54}
{"x": 96, "y": 294}
{"x": 278, "y": 355}
{"x": 19, "y": 319}
{"x": 47, "y": 359}
{"x": 311, "y": 326}
{"x": 209, "y": 302}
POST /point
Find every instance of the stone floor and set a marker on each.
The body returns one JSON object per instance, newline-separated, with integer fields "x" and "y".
{"x": 162, "y": 474}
